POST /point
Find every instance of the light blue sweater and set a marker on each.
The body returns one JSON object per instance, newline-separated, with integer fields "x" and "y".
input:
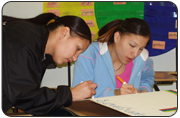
{"x": 95, "y": 64}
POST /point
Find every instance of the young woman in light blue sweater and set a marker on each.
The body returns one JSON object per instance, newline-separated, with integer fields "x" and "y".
{"x": 119, "y": 51}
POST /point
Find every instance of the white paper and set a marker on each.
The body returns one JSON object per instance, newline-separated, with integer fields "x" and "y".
{"x": 142, "y": 104}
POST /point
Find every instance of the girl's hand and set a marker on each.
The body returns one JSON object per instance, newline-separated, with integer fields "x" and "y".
{"x": 83, "y": 90}
{"x": 125, "y": 89}
{"x": 142, "y": 91}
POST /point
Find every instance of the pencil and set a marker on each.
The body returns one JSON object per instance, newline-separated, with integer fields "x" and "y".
{"x": 93, "y": 95}
{"x": 121, "y": 80}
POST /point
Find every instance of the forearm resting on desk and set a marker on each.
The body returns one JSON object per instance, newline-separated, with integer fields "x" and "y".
{"x": 142, "y": 91}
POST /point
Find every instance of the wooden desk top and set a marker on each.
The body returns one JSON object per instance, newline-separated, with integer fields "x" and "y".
{"x": 165, "y": 76}
{"x": 89, "y": 108}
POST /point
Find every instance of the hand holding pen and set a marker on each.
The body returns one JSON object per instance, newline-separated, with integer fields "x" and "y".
{"x": 125, "y": 88}
{"x": 83, "y": 90}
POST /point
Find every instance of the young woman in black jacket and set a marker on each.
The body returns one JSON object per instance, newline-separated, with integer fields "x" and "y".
{"x": 28, "y": 47}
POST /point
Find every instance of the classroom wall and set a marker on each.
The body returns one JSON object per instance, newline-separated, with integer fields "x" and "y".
{"x": 59, "y": 76}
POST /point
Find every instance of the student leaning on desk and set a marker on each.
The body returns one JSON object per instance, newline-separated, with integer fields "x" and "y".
{"x": 118, "y": 52}
{"x": 28, "y": 47}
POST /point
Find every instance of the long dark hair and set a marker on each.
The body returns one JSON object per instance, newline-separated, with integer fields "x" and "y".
{"x": 129, "y": 25}
{"x": 76, "y": 24}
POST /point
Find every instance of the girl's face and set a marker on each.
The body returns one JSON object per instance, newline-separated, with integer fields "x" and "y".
{"x": 66, "y": 48}
{"x": 128, "y": 47}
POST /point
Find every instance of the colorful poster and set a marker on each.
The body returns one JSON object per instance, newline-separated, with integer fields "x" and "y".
{"x": 162, "y": 20}
{"x": 85, "y": 10}
{"x": 160, "y": 16}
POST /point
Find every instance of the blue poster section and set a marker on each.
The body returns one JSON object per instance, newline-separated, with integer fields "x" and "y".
{"x": 161, "y": 18}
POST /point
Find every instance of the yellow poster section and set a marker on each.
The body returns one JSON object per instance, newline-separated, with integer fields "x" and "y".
{"x": 85, "y": 10}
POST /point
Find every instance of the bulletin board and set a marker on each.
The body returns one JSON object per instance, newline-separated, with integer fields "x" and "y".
{"x": 160, "y": 16}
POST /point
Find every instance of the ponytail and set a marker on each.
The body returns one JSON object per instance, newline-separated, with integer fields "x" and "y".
{"x": 106, "y": 33}
{"x": 41, "y": 19}
{"x": 76, "y": 24}
{"x": 107, "y": 36}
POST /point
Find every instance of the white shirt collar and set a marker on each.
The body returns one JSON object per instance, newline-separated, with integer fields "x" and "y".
{"x": 103, "y": 48}
{"x": 144, "y": 54}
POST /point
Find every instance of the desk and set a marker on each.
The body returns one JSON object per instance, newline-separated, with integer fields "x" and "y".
{"x": 164, "y": 77}
{"x": 89, "y": 108}
{"x": 142, "y": 104}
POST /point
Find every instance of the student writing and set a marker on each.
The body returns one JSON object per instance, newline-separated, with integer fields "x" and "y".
{"x": 28, "y": 47}
{"x": 119, "y": 51}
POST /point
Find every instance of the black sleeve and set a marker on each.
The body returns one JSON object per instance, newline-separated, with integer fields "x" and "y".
{"x": 22, "y": 75}
{"x": 23, "y": 87}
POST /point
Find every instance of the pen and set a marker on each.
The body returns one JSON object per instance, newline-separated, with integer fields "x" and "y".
{"x": 121, "y": 80}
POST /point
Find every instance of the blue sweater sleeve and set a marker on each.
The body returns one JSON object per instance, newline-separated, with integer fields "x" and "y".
{"x": 83, "y": 70}
{"x": 147, "y": 78}
{"x": 91, "y": 66}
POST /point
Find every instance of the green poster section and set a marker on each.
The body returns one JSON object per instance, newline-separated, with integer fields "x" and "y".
{"x": 108, "y": 11}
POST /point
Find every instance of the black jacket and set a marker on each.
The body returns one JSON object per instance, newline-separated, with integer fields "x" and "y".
{"x": 23, "y": 67}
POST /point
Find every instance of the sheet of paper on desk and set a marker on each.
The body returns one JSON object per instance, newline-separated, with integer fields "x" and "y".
{"x": 142, "y": 104}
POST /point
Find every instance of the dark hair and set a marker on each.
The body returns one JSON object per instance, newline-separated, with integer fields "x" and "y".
{"x": 76, "y": 24}
{"x": 129, "y": 25}
{"x": 41, "y": 19}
